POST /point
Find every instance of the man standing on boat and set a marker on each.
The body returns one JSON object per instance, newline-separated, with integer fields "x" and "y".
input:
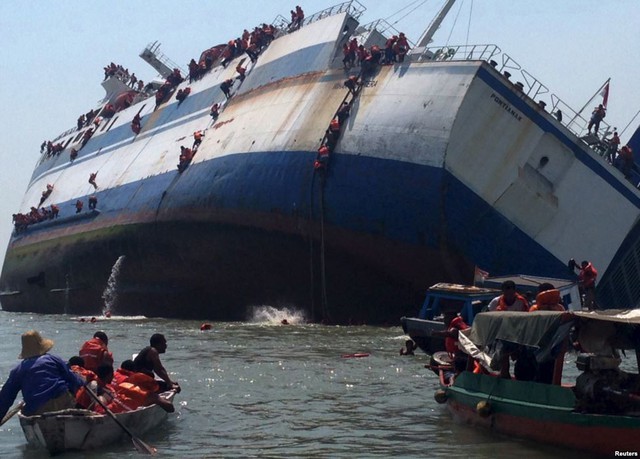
{"x": 586, "y": 283}
{"x": 510, "y": 300}
{"x": 46, "y": 382}
{"x": 148, "y": 361}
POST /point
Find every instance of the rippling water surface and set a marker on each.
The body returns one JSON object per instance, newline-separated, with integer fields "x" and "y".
{"x": 263, "y": 389}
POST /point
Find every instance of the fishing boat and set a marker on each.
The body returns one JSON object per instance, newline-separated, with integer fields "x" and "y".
{"x": 450, "y": 157}
{"x": 74, "y": 430}
{"x": 597, "y": 412}
{"x": 469, "y": 300}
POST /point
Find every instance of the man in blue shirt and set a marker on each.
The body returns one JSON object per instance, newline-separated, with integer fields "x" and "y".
{"x": 46, "y": 382}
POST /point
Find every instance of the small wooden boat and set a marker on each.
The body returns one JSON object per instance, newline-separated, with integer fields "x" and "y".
{"x": 74, "y": 429}
{"x": 598, "y": 413}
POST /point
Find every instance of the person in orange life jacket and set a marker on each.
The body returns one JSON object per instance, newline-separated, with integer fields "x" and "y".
{"x": 148, "y": 361}
{"x": 401, "y": 47}
{"x": 626, "y": 154}
{"x": 586, "y": 282}
{"x": 46, "y": 382}
{"x": 79, "y": 205}
{"x": 547, "y": 299}
{"x": 127, "y": 367}
{"x": 453, "y": 323}
{"x": 343, "y": 113}
{"x": 98, "y": 382}
{"x": 197, "y": 139}
{"x": 95, "y": 351}
{"x": 134, "y": 391}
{"x": 55, "y": 210}
{"x": 510, "y": 300}
{"x": 323, "y": 157}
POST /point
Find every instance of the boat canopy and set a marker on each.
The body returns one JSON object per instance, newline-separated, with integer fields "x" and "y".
{"x": 597, "y": 332}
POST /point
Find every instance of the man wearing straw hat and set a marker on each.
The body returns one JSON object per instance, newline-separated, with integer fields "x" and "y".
{"x": 45, "y": 380}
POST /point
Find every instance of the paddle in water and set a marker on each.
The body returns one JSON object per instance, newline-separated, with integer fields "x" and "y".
{"x": 12, "y": 412}
{"x": 139, "y": 444}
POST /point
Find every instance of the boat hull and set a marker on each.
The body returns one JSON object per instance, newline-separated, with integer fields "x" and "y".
{"x": 73, "y": 430}
{"x": 539, "y": 412}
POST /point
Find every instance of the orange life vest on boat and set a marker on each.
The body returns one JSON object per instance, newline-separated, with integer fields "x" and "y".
{"x": 549, "y": 300}
{"x": 94, "y": 353}
{"x": 451, "y": 344}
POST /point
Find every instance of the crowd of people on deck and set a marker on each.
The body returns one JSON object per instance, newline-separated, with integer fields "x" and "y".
{"x": 88, "y": 380}
{"x": 122, "y": 74}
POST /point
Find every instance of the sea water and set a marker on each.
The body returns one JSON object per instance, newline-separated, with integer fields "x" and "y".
{"x": 263, "y": 389}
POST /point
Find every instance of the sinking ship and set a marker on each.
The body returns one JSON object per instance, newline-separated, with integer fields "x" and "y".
{"x": 448, "y": 160}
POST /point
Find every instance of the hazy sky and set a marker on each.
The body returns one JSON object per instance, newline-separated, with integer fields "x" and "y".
{"x": 53, "y": 54}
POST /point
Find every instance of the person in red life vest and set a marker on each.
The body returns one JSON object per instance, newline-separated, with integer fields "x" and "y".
{"x": 614, "y": 144}
{"x": 93, "y": 202}
{"x": 135, "y": 390}
{"x": 98, "y": 383}
{"x": 55, "y": 210}
{"x": 597, "y": 116}
{"x": 79, "y": 205}
{"x": 510, "y": 300}
{"x": 547, "y": 299}
{"x": 626, "y": 154}
{"x": 197, "y": 139}
{"x": 322, "y": 159}
{"x": 127, "y": 368}
{"x": 95, "y": 351}
{"x": 453, "y": 324}
{"x": 586, "y": 283}
{"x": 401, "y": 47}
{"x": 389, "y": 52}
{"x": 186, "y": 155}
{"x": 148, "y": 362}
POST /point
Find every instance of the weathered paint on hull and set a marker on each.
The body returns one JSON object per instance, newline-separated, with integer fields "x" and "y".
{"x": 542, "y": 413}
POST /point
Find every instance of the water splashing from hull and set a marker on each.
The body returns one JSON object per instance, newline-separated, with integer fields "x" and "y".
{"x": 110, "y": 294}
{"x": 274, "y": 316}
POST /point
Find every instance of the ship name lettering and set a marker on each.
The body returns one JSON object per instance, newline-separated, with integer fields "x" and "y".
{"x": 506, "y": 106}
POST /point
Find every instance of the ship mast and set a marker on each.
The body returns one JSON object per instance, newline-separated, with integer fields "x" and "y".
{"x": 435, "y": 24}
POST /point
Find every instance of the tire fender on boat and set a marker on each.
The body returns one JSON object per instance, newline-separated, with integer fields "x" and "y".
{"x": 440, "y": 396}
{"x": 484, "y": 409}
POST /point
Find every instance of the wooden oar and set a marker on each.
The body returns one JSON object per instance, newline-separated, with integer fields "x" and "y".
{"x": 139, "y": 444}
{"x": 12, "y": 412}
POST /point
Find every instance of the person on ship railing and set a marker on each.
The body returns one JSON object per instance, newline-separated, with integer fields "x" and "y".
{"x": 133, "y": 80}
{"x": 55, "y": 210}
{"x": 194, "y": 71}
{"x": 225, "y": 87}
{"x": 175, "y": 78}
{"x": 333, "y": 133}
{"x": 612, "y": 148}
{"x": 45, "y": 194}
{"x": 349, "y": 58}
{"x": 269, "y": 33}
{"x": 140, "y": 86}
{"x": 596, "y": 117}
{"x": 73, "y": 154}
{"x": 389, "y": 50}
{"x": 228, "y": 53}
{"x": 363, "y": 54}
{"x": 79, "y": 205}
{"x": 81, "y": 121}
{"x": 299, "y": 16}
{"x": 401, "y": 47}
{"x": 322, "y": 159}
{"x": 252, "y": 51}
{"x": 627, "y": 164}
{"x": 108, "y": 111}
{"x": 88, "y": 118}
